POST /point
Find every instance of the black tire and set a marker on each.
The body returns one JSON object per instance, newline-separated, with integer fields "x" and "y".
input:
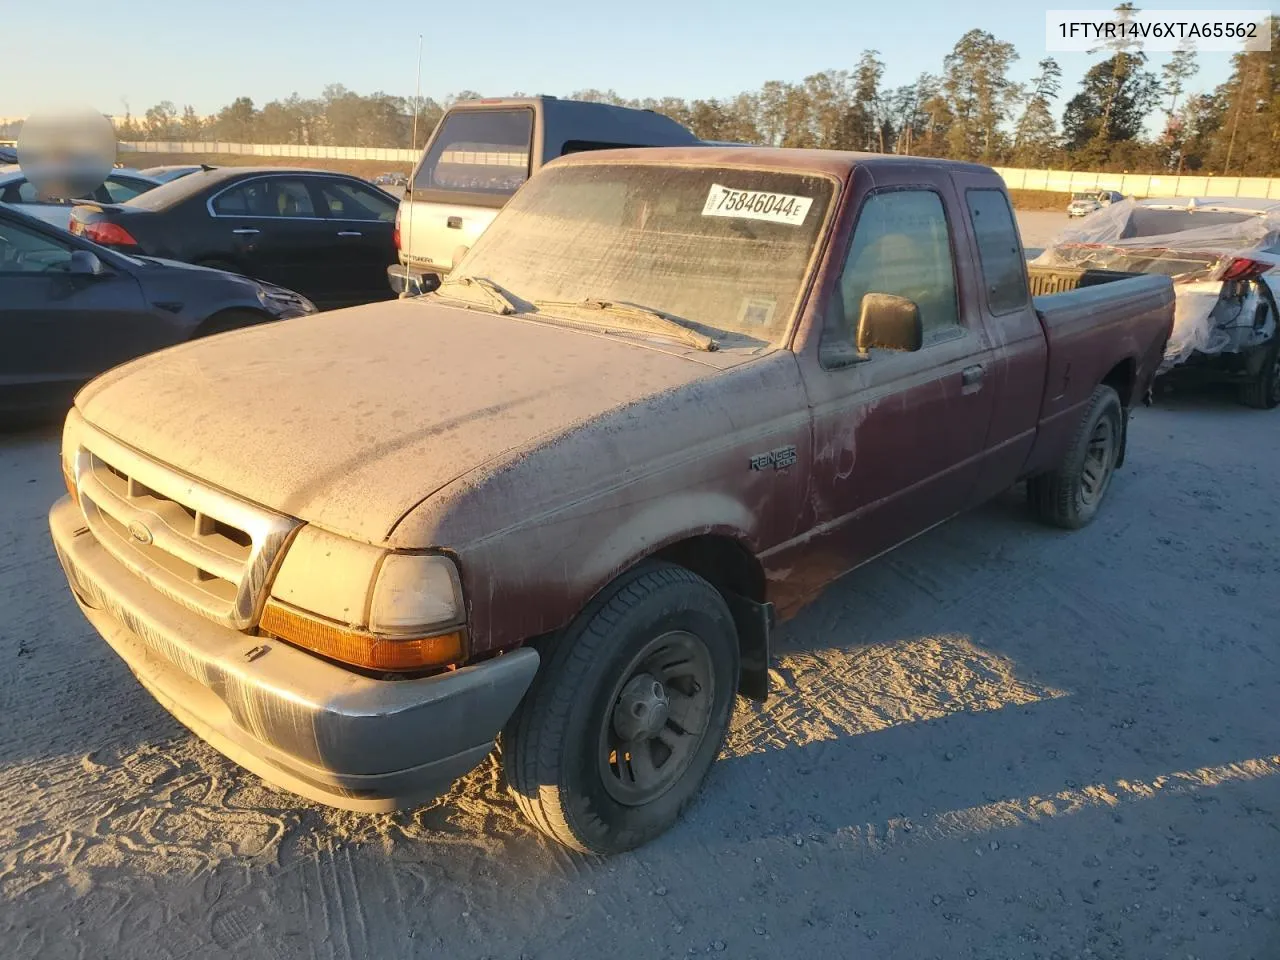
{"x": 1263, "y": 392}
{"x": 1069, "y": 497}
{"x": 225, "y": 320}
{"x": 566, "y": 763}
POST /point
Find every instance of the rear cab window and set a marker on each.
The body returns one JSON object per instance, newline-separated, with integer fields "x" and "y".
{"x": 478, "y": 156}
{"x": 1004, "y": 273}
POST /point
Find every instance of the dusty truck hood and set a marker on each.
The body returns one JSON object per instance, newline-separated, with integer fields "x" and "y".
{"x": 351, "y": 418}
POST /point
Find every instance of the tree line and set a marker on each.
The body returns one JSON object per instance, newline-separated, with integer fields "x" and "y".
{"x": 1124, "y": 115}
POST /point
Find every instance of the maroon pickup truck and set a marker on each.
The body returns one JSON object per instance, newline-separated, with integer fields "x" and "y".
{"x": 559, "y": 499}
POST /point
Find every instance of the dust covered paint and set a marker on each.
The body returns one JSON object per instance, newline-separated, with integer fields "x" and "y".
{"x": 546, "y": 435}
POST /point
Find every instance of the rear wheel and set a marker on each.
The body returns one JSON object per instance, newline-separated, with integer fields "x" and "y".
{"x": 627, "y": 713}
{"x": 1070, "y": 496}
{"x": 1263, "y": 392}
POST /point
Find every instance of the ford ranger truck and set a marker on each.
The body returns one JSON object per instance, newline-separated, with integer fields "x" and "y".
{"x": 480, "y": 154}
{"x": 559, "y": 499}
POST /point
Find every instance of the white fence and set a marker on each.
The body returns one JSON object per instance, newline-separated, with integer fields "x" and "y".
{"x": 299, "y": 151}
{"x": 1140, "y": 185}
{"x": 1057, "y": 181}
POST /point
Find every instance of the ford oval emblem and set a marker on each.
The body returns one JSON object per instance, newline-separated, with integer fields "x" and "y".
{"x": 140, "y": 532}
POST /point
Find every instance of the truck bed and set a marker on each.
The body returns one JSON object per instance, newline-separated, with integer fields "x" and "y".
{"x": 1049, "y": 280}
{"x": 1090, "y": 318}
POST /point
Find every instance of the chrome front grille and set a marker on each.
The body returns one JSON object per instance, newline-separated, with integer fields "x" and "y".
{"x": 198, "y": 545}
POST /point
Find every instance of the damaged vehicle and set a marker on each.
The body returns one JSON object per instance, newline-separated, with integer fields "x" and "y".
{"x": 559, "y": 499}
{"x": 1222, "y": 255}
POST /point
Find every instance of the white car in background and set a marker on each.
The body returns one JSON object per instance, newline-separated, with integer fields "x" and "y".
{"x": 1083, "y": 204}
{"x": 17, "y": 191}
{"x": 1223, "y": 255}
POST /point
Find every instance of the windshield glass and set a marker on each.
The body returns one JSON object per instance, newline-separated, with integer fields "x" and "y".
{"x": 724, "y": 249}
{"x": 479, "y": 151}
{"x": 1149, "y": 222}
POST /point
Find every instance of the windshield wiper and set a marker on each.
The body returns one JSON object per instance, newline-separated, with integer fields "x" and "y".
{"x": 648, "y": 319}
{"x": 495, "y": 294}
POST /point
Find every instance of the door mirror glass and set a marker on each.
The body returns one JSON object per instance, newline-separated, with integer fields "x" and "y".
{"x": 85, "y": 263}
{"x": 889, "y": 322}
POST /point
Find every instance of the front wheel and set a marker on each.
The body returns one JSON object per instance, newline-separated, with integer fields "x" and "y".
{"x": 1070, "y": 496}
{"x": 627, "y": 714}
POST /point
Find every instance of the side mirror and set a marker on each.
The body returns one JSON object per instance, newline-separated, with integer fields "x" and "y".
{"x": 890, "y": 323}
{"x": 85, "y": 263}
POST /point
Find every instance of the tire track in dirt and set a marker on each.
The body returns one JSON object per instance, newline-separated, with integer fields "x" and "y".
{"x": 992, "y": 682}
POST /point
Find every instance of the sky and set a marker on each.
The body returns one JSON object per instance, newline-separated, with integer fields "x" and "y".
{"x": 207, "y": 53}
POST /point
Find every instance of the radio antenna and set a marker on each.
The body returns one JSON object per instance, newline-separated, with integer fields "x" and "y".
{"x": 408, "y": 186}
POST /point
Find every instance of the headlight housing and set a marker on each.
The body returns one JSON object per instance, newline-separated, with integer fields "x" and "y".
{"x": 415, "y": 592}
{"x": 283, "y": 303}
{"x": 67, "y": 454}
{"x": 415, "y": 621}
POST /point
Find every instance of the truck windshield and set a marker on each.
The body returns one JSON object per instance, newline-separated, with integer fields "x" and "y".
{"x": 478, "y": 151}
{"x": 723, "y": 250}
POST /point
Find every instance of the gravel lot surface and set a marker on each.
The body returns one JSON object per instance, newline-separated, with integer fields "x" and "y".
{"x": 1001, "y": 741}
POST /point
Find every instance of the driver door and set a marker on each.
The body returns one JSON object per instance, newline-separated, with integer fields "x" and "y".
{"x": 899, "y": 435}
{"x": 58, "y": 329}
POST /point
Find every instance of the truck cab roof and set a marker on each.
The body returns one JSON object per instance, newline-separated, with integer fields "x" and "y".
{"x": 566, "y": 121}
{"x": 836, "y": 163}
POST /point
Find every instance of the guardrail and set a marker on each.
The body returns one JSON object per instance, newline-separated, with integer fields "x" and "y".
{"x": 1056, "y": 181}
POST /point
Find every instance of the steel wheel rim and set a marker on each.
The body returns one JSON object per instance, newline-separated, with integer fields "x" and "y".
{"x": 1098, "y": 461}
{"x": 643, "y": 753}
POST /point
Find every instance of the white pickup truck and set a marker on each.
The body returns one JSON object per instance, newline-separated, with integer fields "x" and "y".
{"x": 480, "y": 154}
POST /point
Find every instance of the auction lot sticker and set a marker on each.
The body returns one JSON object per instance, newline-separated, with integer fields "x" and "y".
{"x": 756, "y": 205}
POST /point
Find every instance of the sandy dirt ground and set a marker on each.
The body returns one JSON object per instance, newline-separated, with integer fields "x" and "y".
{"x": 1001, "y": 741}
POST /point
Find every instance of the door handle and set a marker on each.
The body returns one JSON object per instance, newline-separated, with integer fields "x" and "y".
{"x": 454, "y": 223}
{"x": 970, "y": 376}
{"x": 245, "y": 231}
{"x": 350, "y": 233}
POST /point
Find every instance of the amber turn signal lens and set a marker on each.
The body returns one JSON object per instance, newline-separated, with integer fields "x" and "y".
{"x": 358, "y": 648}
{"x": 69, "y": 479}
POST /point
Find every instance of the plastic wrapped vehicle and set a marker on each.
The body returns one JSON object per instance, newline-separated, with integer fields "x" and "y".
{"x": 1222, "y": 255}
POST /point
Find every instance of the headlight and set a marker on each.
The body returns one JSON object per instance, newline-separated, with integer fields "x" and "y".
{"x": 69, "y": 452}
{"x": 413, "y": 593}
{"x": 416, "y": 617}
{"x": 282, "y": 302}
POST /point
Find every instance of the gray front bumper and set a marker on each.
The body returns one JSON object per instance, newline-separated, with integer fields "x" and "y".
{"x": 297, "y": 721}
{"x": 415, "y": 279}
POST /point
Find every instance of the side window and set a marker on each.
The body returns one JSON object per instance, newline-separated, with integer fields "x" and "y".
{"x": 247, "y": 200}
{"x": 350, "y": 201}
{"x": 20, "y": 192}
{"x": 26, "y": 251}
{"x": 1004, "y": 272}
{"x": 289, "y": 198}
{"x": 901, "y": 246}
{"x": 268, "y": 197}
